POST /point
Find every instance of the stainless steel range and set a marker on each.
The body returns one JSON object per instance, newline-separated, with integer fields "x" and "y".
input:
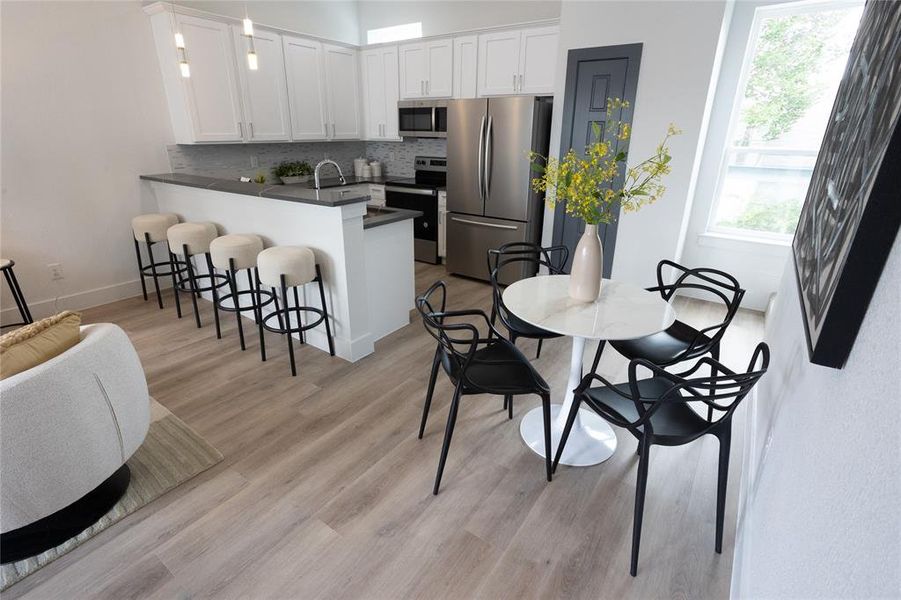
{"x": 421, "y": 193}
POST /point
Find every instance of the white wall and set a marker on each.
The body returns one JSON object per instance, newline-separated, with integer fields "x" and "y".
{"x": 677, "y": 65}
{"x": 83, "y": 116}
{"x": 332, "y": 19}
{"x": 819, "y": 516}
{"x": 441, "y": 17}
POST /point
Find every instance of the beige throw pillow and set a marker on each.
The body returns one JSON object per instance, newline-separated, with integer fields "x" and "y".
{"x": 38, "y": 342}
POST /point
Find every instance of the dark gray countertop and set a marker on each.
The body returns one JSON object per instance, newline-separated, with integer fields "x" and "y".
{"x": 302, "y": 193}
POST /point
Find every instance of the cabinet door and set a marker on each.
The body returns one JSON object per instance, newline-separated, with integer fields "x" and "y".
{"x": 538, "y": 60}
{"x": 466, "y": 66}
{"x": 414, "y": 70}
{"x": 440, "y": 82}
{"x": 265, "y": 90}
{"x": 306, "y": 92}
{"x": 380, "y": 90}
{"x": 342, "y": 91}
{"x": 498, "y": 63}
{"x": 212, "y": 89}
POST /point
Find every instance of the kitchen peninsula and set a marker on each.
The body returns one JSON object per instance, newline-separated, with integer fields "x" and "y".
{"x": 365, "y": 253}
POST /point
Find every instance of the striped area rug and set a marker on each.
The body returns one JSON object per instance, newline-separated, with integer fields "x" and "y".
{"x": 171, "y": 454}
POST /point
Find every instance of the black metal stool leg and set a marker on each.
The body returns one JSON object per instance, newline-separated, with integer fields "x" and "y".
{"x": 303, "y": 339}
{"x": 18, "y": 296}
{"x": 173, "y": 266}
{"x": 215, "y": 289}
{"x": 193, "y": 285}
{"x": 233, "y": 284}
{"x": 288, "y": 324}
{"x": 281, "y": 323}
{"x": 156, "y": 282}
{"x": 328, "y": 328}
{"x": 259, "y": 302}
{"x": 140, "y": 269}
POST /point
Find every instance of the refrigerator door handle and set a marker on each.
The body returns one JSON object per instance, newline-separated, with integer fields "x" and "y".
{"x": 481, "y": 165}
{"x": 480, "y": 223}
{"x": 486, "y": 170}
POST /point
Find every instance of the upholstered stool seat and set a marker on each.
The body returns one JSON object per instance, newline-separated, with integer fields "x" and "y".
{"x": 234, "y": 253}
{"x": 6, "y": 265}
{"x": 190, "y": 240}
{"x": 242, "y": 248}
{"x": 286, "y": 267}
{"x": 151, "y": 229}
{"x": 154, "y": 226}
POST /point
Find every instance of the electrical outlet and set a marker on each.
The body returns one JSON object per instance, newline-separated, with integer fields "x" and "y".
{"x": 56, "y": 271}
{"x": 254, "y": 161}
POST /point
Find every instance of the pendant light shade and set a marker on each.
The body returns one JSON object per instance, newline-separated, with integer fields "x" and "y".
{"x": 252, "y": 61}
{"x": 185, "y": 69}
{"x": 248, "y": 27}
{"x": 179, "y": 41}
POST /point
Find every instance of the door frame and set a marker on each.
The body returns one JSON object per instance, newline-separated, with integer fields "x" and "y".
{"x": 575, "y": 56}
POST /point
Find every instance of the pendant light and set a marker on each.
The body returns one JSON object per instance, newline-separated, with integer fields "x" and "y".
{"x": 252, "y": 62}
{"x": 180, "y": 51}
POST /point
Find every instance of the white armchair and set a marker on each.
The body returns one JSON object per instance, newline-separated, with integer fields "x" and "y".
{"x": 69, "y": 424}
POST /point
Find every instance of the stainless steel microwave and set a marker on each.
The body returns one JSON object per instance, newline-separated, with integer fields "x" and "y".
{"x": 422, "y": 118}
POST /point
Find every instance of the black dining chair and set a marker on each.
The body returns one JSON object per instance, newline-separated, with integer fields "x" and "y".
{"x": 475, "y": 365}
{"x": 553, "y": 258}
{"x": 513, "y": 256}
{"x": 681, "y": 342}
{"x": 658, "y": 410}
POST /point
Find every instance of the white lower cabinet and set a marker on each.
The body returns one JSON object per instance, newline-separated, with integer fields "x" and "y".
{"x": 380, "y": 93}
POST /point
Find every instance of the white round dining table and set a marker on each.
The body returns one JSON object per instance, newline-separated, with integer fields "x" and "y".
{"x": 622, "y": 311}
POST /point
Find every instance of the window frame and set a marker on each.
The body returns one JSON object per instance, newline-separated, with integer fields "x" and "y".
{"x": 760, "y": 13}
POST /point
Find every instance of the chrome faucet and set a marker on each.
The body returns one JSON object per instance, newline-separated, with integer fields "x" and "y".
{"x": 327, "y": 161}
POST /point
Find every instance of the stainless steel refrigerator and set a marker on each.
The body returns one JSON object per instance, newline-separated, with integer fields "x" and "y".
{"x": 489, "y": 197}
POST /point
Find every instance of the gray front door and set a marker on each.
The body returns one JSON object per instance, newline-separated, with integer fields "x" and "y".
{"x": 592, "y": 76}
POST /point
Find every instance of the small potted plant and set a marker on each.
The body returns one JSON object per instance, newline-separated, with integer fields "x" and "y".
{"x": 293, "y": 171}
{"x": 596, "y": 185}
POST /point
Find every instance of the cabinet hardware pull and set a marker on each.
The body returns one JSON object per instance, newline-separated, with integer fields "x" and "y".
{"x": 250, "y": 124}
{"x": 241, "y": 129}
{"x": 514, "y": 82}
{"x": 333, "y": 130}
{"x": 520, "y": 82}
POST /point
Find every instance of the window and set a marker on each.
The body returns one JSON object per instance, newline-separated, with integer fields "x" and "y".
{"x": 394, "y": 33}
{"x": 795, "y": 60}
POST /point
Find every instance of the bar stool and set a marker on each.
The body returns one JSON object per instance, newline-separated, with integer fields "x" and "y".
{"x": 192, "y": 239}
{"x": 292, "y": 266}
{"x": 151, "y": 229}
{"x": 234, "y": 253}
{"x": 6, "y": 265}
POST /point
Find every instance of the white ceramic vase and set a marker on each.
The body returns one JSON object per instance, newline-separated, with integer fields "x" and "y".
{"x": 588, "y": 264}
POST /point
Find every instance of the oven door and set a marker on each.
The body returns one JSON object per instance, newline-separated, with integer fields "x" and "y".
{"x": 425, "y": 228}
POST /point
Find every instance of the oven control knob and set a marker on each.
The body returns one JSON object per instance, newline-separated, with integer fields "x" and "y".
{"x": 425, "y": 225}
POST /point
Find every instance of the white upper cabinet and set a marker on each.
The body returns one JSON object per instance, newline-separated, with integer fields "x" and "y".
{"x": 264, "y": 90}
{"x": 426, "y": 69}
{"x": 342, "y": 92}
{"x": 538, "y": 60}
{"x": 205, "y": 107}
{"x": 380, "y": 92}
{"x": 498, "y": 63}
{"x": 306, "y": 89}
{"x": 440, "y": 83}
{"x": 466, "y": 66}
{"x": 518, "y": 62}
{"x": 414, "y": 70}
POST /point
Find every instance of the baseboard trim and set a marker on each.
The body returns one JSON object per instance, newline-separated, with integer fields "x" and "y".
{"x": 80, "y": 300}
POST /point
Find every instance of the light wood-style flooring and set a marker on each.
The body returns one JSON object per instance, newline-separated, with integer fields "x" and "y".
{"x": 325, "y": 491}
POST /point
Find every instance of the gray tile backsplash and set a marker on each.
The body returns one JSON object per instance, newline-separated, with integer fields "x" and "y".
{"x": 398, "y": 156}
{"x": 231, "y": 161}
